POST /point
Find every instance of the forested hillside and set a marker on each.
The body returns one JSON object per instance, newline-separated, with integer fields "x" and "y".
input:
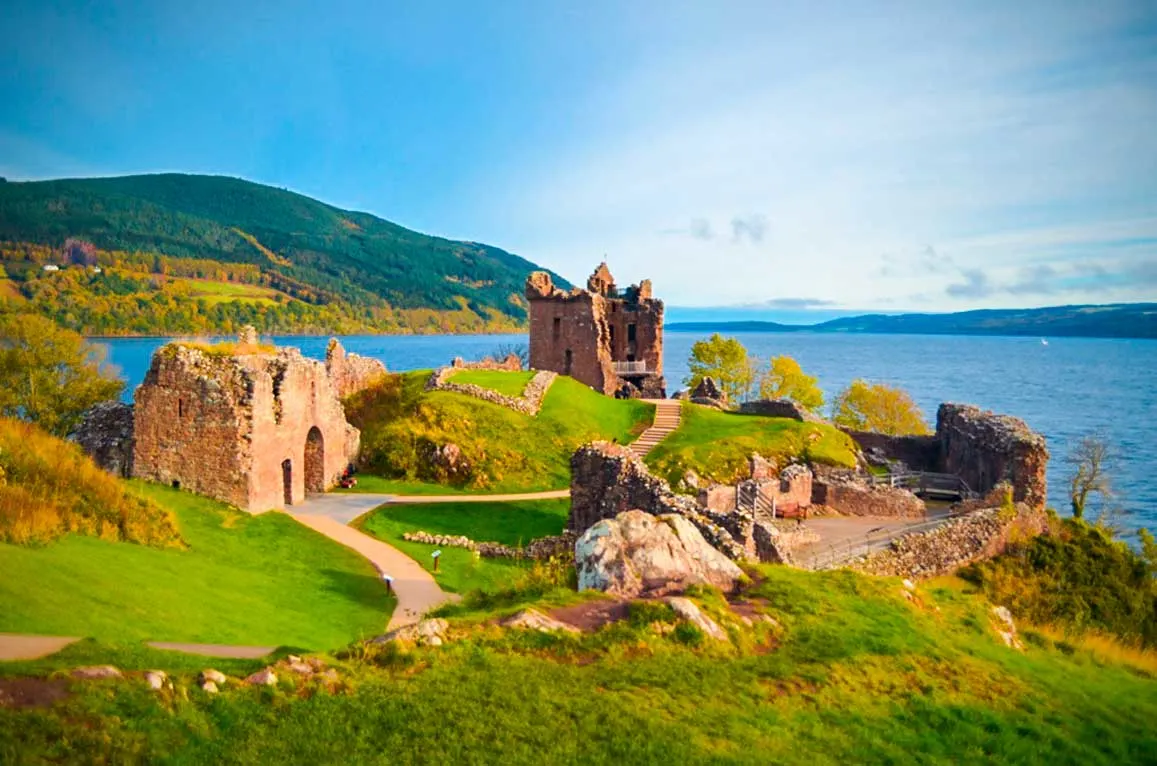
{"x": 181, "y": 253}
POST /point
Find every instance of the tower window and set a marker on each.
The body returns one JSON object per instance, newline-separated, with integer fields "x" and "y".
{"x": 556, "y": 329}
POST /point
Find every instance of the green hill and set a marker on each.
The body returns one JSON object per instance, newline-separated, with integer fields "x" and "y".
{"x": 346, "y": 269}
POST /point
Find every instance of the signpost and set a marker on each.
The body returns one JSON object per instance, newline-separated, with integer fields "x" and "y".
{"x": 436, "y": 555}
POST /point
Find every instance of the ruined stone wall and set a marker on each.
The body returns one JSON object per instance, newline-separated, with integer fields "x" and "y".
{"x": 106, "y": 434}
{"x": 985, "y": 449}
{"x": 952, "y": 545}
{"x": 510, "y": 364}
{"x": 779, "y": 408}
{"x": 529, "y": 403}
{"x": 223, "y": 426}
{"x": 849, "y": 495}
{"x": 351, "y": 373}
{"x": 918, "y": 453}
{"x": 609, "y": 479}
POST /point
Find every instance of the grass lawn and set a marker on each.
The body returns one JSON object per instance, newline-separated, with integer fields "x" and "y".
{"x": 502, "y": 381}
{"x": 258, "y": 580}
{"x": 367, "y": 482}
{"x": 506, "y": 450}
{"x": 716, "y": 445}
{"x": 459, "y": 570}
{"x": 220, "y": 292}
{"x": 854, "y": 674}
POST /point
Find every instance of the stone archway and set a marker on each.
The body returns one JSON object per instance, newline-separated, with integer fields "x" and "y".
{"x": 314, "y": 461}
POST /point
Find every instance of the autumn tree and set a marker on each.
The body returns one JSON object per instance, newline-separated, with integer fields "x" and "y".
{"x": 785, "y": 379}
{"x": 727, "y": 362}
{"x": 50, "y": 375}
{"x": 1092, "y": 461}
{"x": 879, "y": 408}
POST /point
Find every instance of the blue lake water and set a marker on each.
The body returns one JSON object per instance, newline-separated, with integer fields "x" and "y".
{"x": 1066, "y": 389}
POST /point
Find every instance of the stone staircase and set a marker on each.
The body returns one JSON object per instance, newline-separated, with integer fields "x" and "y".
{"x": 667, "y": 414}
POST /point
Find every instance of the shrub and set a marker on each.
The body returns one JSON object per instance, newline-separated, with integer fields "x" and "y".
{"x": 49, "y": 487}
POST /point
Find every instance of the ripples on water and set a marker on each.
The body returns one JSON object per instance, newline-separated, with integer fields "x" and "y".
{"x": 1066, "y": 389}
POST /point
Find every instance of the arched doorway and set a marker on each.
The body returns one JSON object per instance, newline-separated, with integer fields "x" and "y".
{"x": 314, "y": 461}
{"x": 287, "y": 480}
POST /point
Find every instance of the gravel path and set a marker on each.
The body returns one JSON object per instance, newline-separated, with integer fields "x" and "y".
{"x": 19, "y": 647}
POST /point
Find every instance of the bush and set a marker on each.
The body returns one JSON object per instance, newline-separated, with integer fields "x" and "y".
{"x": 49, "y": 487}
{"x": 1076, "y": 577}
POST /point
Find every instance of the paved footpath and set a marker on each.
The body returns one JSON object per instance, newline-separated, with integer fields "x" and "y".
{"x": 19, "y": 647}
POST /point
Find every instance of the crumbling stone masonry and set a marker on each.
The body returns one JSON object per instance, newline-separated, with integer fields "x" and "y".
{"x": 106, "y": 434}
{"x": 981, "y": 447}
{"x": 254, "y": 428}
{"x": 351, "y": 373}
{"x": 612, "y": 342}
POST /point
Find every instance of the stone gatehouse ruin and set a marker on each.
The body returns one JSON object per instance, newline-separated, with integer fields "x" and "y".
{"x": 254, "y": 426}
{"x": 609, "y": 339}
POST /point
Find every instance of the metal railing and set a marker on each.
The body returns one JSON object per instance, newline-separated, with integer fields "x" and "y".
{"x": 927, "y": 483}
{"x": 629, "y": 368}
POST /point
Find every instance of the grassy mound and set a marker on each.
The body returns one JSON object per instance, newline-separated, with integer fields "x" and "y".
{"x": 852, "y": 673}
{"x": 506, "y": 451}
{"x": 716, "y": 445}
{"x": 256, "y": 580}
{"x": 49, "y": 487}
{"x": 511, "y": 523}
{"x": 508, "y": 383}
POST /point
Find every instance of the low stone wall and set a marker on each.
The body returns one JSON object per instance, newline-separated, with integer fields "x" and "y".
{"x": 528, "y": 404}
{"x": 952, "y": 545}
{"x": 538, "y": 549}
{"x": 106, "y": 434}
{"x": 510, "y": 364}
{"x": 779, "y": 408}
{"x": 918, "y": 453}
{"x": 351, "y": 373}
{"x": 851, "y": 496}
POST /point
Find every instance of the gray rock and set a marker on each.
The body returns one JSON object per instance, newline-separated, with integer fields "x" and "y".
{"x": 636, "y": 552}
{"x": 214, "y": 676}
{"x": 532, "y": 619}
{"x": 96, "y": 671}
{"x": 155, "y": 679}
{"x": 1006, "y": 628}
{"x": 419, "y": 632}
{"x": 264, "y": 677}
{"x": 209, "y": 687}
{"x": 687, "y": 610}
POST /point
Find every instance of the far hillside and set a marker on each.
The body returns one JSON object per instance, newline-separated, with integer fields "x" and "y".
{"x": 500, "y": 450}
{"x": 186, "y": 253}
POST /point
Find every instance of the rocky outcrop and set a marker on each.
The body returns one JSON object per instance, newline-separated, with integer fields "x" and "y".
{"x": 609, "y": 479}
{"x": 849, "y": 494}
{"x": 351, "y": 373}
{"x": 429, "y": 632}
{"x": 779, "y": 408}
{"x": 689, "y": 611}
{"x": 709, "y": 393}
{"x": 532, "y": 619}
{"x": 446, "y": 463}
{"x": 898, "y": 453}
{"x": 1006, "y": 628}
{"x": 952, "y": 545}
{"x": 637, "y": 553}
{"x": 106, "y": 434}
{"x": 528, "y": 404}
{"x": 985, "y": 449}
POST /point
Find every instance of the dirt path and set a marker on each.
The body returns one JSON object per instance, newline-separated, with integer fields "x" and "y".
{"x": 18, "y": 647}
{"x": 216, "y": 650}
{"x": 415, "y": 588}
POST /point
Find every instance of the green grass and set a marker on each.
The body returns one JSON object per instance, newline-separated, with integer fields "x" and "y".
{"x": 511, "y": 523}
{"x": 855, "y": 674}
{"x": 716, "y": 445}
{"x": 367, "y": 482}
{"x": 507, "y": 451}
{"x": 502, "y": 381}
{"x": 256, "y": 580}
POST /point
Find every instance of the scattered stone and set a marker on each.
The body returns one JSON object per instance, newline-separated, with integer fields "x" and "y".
{"x": 1006, "y": 628}
{"x": 908, "y": 584}
{"x": 418, "y": 633}
{"x": 532, "y": 619}
{"x": 96, "y": 671}
{"x": 209, "y": 687}
{"x": 687, "y": 609}
{"x": 155, "y": 679}
{"x": 213, "y": 676}
{"x": 637, "y": 553}
{"x": 264, "y": 677}
{"x": 291, "y": 658}
{"x": 301, "y": 668}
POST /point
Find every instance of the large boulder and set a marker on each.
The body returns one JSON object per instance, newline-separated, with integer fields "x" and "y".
{"x": 709, "y": 393}
{"x": 636, "y": 553}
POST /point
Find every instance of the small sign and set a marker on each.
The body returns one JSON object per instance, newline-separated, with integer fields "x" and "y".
{"x": 388, "y": 579}
{"x": 435, "y": 554}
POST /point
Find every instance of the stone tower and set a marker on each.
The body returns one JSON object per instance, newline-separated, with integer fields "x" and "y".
{"x": 611, "y": 340}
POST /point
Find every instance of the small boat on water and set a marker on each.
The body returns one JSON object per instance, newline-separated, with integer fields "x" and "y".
{"x": 1043, "y": 342}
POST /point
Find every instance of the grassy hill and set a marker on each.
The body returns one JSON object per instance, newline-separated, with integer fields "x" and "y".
{"x": 371, "y": 274}
{"x": 507, "y": 451}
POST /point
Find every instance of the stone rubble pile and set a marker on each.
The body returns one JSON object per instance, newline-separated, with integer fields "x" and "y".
{"x": 538, "y": 549}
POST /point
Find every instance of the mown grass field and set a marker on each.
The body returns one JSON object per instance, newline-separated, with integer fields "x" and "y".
{"x": 506, "y": 451}
{"x": 510, "y": 523}
{"x": 853, "y": 674}
{"x": 215, "y": 291}
{"x": 716, "y": 445}
{"x": 502, "y": 381}
{"x": 255, "y": 580}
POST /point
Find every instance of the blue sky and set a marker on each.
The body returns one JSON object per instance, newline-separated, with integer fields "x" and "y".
{"x": 784, "y": 157}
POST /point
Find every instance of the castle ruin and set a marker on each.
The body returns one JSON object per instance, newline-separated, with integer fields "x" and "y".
{"x": 256, "y": 427}
{"x": 609, "y": 339}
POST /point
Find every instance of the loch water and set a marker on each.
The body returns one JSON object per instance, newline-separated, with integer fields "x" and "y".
{"x": 1065, "y": 388}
